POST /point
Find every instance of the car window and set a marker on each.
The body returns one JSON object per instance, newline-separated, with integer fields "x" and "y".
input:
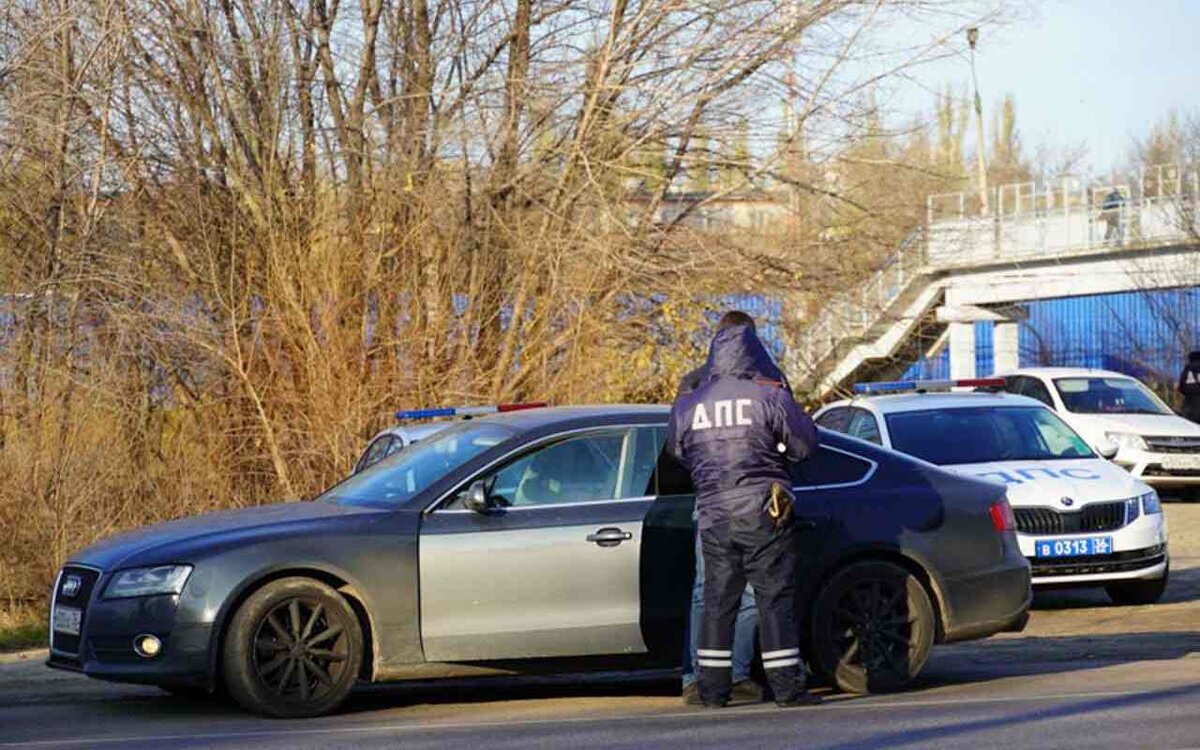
{"x": 579, "y": 469}
{"x": 637, "y": 476}
{"x": 375, "y": 452}
{"x": 1035, "y": 388}
{"x": 1101, "y": 395}
{"x": 404, "y": 474}
{"x": 830, "y": 466}
{"x": 393, "y": 446}
{"x": 1023, "y": 385}
{"x": 863, "y": 426}
{"x": 985, "y": 433}
{"x": 835, "y": 419}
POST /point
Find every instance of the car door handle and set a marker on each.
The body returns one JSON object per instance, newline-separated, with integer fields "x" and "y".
{"x": 609, "y": 536}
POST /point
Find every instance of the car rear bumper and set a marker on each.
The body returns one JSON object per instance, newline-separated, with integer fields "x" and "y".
{"x": 989, "y": 602}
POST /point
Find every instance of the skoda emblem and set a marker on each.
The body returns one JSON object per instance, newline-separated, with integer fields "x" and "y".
{"x": 1068, "y": 502}
{"x": 71, "y": 586}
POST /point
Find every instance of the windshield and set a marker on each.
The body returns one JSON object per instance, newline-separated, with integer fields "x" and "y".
{"x": 985, "y": 433}
{"x": 403, "y": 475}
{"x": 1108, "y": 396}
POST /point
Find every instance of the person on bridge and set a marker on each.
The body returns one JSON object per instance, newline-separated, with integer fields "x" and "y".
{"x": 736, "y": 434}
{"x": 1111, "y": 210}
{"x": 1189, "y": 387}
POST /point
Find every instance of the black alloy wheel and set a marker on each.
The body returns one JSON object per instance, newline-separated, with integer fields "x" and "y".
{"x": 294, "y": 649}
{"x": 873, "y": 628}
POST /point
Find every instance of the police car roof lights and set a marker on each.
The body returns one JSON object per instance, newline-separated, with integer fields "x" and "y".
{"x": 920, "y": 386}
{"x": 466, "y": 412}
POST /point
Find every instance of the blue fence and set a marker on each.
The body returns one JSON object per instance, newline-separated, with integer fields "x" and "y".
{"x": 1143, "y": 334}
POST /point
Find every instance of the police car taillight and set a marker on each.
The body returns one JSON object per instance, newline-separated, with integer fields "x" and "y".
{"x": 466, "y": 411}
{"x": 1002, "y": 516}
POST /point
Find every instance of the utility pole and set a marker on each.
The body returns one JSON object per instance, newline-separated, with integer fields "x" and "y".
{"x": 980, "y": 144}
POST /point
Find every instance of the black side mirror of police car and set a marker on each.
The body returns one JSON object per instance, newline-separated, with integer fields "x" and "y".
{"x": 476, "y": 498}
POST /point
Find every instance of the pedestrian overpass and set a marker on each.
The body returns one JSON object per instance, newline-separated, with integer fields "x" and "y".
{"x": 1040, "y": 242}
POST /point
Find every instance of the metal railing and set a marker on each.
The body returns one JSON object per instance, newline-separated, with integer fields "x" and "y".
{"x": 849, "y": 314}
{"x": 1065, "y": 219}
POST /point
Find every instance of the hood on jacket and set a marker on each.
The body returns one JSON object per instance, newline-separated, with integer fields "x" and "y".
{"x": 737, "y": 352}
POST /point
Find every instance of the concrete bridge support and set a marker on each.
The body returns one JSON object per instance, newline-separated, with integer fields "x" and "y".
{"x": 962, "y": 350}
{"x": 1006, "y": 347}
{"x": 960, "y": 321}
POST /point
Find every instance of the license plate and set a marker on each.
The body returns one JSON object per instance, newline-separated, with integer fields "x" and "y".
{"x": 66, "y": 620}
{"x": 1092, "y": 545}
{"x": 1181, "y": 462}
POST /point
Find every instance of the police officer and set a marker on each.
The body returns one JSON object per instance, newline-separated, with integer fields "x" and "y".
{"x": 745, "y": 626}
{"x": 1189, "y": 387}
{"x": 736, "y": 433}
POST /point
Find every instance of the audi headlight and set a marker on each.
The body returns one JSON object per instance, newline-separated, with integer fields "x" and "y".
{"x": 161, "y": 579}
{"x": 1127, "y": 440}
{"x": 1151, "y": 503}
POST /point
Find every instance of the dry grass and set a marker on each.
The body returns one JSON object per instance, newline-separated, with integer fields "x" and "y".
{"x": 22, "y": 628}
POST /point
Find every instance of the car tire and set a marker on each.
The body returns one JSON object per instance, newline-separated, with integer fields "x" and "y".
{"x": 1129, "y": 593}
{"x": 872, "y": 628}
{"x": 293, "y": 649}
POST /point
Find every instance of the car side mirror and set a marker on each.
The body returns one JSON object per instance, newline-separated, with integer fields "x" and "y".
{"x": 477, "y": 499}
{"x": 1108, "y": 449}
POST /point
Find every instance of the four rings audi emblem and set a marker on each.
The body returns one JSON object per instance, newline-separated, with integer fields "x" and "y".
{"x": 1067, "y": 501}
{"x": 71, "y": 586}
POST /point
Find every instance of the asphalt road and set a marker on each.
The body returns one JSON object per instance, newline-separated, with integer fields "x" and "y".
{"x": 1084, "y": 674}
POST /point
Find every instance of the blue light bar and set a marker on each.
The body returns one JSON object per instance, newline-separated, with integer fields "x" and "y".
{"x": 445, "y": 411}
{"x": 466, "y": 411}
{"x": 886, "y": 387}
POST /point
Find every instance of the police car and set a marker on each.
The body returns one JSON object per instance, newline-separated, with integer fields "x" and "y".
{"x": 391, "y": 439}
{"x": 1081, "y": 520}
{"x": 1118, "y": 414}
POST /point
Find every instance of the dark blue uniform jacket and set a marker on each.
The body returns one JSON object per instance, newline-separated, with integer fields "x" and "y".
{"x": 738, "y": 431}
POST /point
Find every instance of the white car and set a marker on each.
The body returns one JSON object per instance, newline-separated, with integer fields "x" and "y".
{"x": 1081, "y": 520}
{"x": 1116, "y": 412}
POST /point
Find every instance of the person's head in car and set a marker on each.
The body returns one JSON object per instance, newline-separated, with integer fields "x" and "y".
{"x": 560, "y": 473}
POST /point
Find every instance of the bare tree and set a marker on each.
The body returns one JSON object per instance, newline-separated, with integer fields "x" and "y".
{"x": 236, "y": 234}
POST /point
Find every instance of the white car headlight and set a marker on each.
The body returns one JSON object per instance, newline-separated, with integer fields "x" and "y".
{"x": 161, "y": 579}
{"x": 1127, "y": 440}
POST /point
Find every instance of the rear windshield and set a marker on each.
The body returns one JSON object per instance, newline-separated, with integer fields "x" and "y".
{"x": 405, "y": 474}
{"x": 981, "y": 434}
{"x": 1108, "y": 396}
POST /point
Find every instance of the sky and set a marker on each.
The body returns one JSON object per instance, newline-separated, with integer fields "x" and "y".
{"x": 1091, "y": 73}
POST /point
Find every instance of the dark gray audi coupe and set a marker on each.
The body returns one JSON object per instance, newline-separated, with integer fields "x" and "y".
{"x": 556, "y": 539}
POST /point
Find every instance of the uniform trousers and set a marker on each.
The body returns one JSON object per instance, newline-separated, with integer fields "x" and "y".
{"x": 741, "y": 550}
